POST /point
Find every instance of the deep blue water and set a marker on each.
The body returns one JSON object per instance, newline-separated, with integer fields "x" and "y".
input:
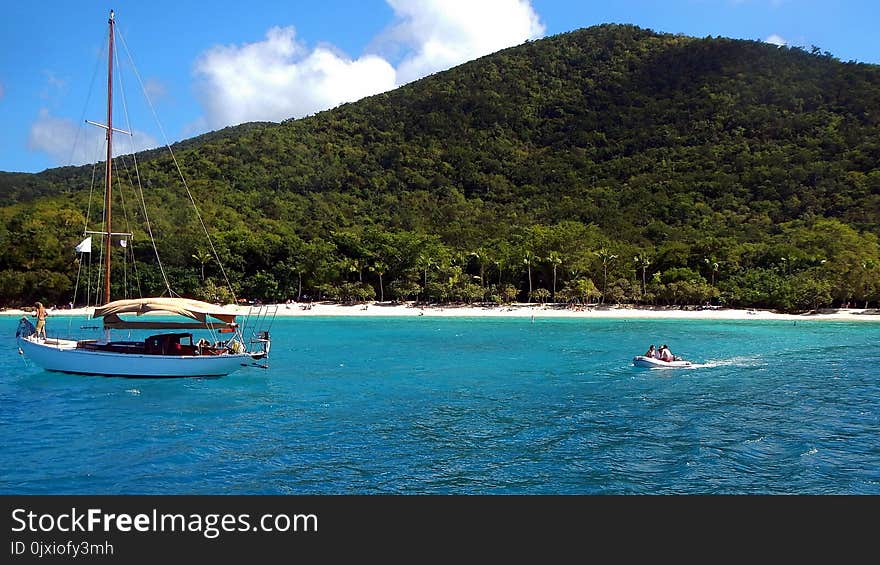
{"x": 440, "y": 405}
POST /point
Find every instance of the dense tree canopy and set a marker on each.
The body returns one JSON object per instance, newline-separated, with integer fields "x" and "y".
{"x": 611, "y": 163}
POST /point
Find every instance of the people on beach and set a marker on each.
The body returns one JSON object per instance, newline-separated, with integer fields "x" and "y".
{"x": 41, "y": 314}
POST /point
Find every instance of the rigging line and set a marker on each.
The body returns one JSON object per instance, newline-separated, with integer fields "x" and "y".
{"x": 98, "y": 288}
{"x": 123, "y": 169}
{"x": 247, "y": 319}
{"x": 79, "y": 261}
{"x": 89, "y": 278}
{"x": 99, "y": 144}
{"x": 88, "y": 213}
{"x": 179, "y": 171}
{"x": 129, "y": 249}
{"x": 85, "y": 229}
{"x": 134, "y": 158}
{"x": 137, "y": 275}
{"x": 149, "y": 226}
{"x": 82, "y": 116}
{"x": 91, "y": 193}
{"x": 272, "y": 321}
{"x": 125, "y": 275}
{"x": 119, "y": 173}
{"x": 75, "y": 288}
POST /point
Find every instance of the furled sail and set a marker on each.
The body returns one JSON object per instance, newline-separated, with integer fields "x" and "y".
{"x": 196, "y": 310}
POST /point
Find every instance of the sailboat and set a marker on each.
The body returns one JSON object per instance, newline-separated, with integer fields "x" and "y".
{"x": 170, "y": 352}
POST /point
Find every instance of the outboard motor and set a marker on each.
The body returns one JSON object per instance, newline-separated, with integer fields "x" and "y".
{"x": 264, "y": 341}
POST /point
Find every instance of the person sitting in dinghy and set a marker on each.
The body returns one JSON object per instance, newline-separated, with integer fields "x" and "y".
{"x": 666, "y": 354}
{"x": 651, "y": 353}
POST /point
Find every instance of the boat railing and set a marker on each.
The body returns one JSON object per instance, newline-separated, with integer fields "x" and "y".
{"x": 257, "y": 323}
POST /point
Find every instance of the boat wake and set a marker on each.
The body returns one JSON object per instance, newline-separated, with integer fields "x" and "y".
{"x": 708, "y": 364}
{"x": 732, "y": 362}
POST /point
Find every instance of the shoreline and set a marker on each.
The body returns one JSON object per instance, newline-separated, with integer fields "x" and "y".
{"x": 520, "y": 310}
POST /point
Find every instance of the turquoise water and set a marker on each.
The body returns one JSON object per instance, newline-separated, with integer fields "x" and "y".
{"x": 441, "y": 405}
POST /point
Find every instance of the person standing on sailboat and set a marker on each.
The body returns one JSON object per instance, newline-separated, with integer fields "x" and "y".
{"x": 41, "y": 319}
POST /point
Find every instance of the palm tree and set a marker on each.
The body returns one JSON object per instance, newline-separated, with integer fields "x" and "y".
{"x": 606, "y": 257}
{"x": 528, "y": 261}
{"x": 203, "y": 257}
{"x": 379, "y": 268}
{"x": 355, "y": 265}
{"x": 642, "y": 261}
{"x": 425, "y": 262}
{"x": 480, "y": 256}
{"x": 714, "y": 265}
{"x": 554, "y": 259}
{"x": 298, "y": 269}
{"x": 787, "y": 264}
{"x": 868, "y": 265}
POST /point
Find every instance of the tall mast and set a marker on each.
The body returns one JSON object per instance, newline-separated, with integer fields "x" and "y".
{"x": 109, "y": 165}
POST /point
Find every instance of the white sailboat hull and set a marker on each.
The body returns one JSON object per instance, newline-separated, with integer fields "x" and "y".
{"x": 61, "y": 355}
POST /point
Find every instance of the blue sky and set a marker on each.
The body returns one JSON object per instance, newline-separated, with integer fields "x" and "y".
{"x": 207, "y": 65}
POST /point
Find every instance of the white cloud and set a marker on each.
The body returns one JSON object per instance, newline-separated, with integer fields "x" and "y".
{"x": 445, "y": 33}
{"x": 69, "y": 143}
{"x": 55, "y": 86}
{"x": 776, "y": 40}
{"x": 155, "y": 89}
{"x": 279, "y": 78}
{"x": 55, "y": 81}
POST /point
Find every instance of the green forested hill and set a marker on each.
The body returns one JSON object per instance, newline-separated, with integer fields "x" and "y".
{"x": 611, "y": 162}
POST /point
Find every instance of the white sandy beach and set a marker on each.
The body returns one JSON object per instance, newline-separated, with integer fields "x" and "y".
{"x": 527, "y": 310}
